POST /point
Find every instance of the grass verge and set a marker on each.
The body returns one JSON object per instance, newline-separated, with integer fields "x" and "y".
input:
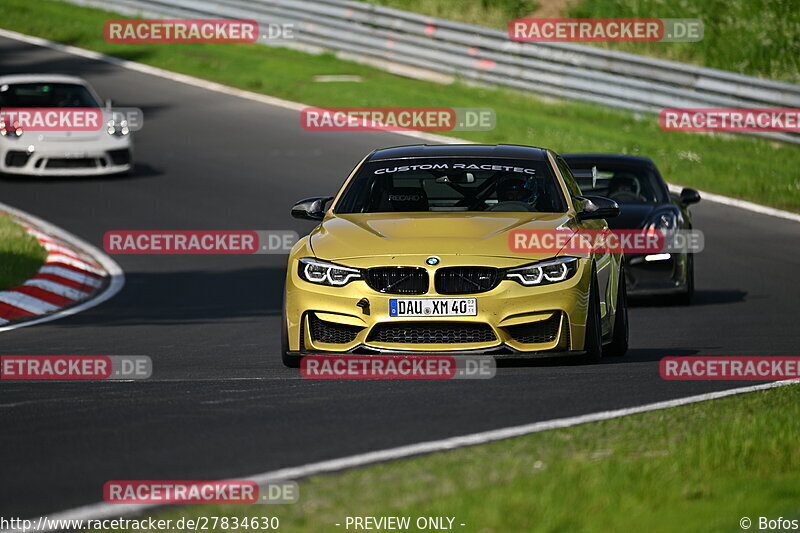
{"x": 739, "y": 166}
{"x": 490, "y": 13}
{"x": 696, "y": 468}
{"x": 20, "y": 254}
{"x": 755, "y": 37}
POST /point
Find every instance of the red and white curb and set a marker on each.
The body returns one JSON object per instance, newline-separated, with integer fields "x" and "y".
{"x": 74, "y": 277}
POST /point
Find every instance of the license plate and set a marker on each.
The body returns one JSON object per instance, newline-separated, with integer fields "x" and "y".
{"x": 433, "y": 307}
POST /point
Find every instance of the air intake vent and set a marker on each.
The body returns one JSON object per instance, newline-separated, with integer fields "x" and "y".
{"x": 536, "y": 332}
{"x": 466, "y": 279}
{"x": 432, "y": 333}
{"x": 331, "y": 332}
{"x": 398, "y": 280}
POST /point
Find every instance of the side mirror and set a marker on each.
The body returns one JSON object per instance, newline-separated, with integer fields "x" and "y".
{"x": 595, "y": 207}
{"x": 311, "y": 208}
{"x": 689, "y": 196}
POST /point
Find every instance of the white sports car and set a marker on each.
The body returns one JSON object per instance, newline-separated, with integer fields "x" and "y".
{"x": 28, "y": 148}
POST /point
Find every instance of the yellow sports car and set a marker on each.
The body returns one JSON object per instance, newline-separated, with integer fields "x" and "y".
{"x": 414, "y": 255}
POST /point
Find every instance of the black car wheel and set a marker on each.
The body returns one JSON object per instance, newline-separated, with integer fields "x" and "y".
{"x": 593, "y": 342}
{"x": 290, "y": 361}
{"x": 619, "y": 342}
{"x": 685, "y": 298}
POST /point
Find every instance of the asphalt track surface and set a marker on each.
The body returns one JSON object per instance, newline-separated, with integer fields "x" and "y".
{"x": 220, "y": 403}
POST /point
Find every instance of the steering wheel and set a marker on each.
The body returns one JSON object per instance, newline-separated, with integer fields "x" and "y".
{"x": 511, "y": 207}
{"x": 627, "y": 197}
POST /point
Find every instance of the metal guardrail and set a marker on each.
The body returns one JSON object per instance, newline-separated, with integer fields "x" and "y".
{"x": 484, "y": 55}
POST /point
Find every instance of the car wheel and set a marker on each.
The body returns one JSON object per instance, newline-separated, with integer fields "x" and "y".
{"x": 290, "y": 361}
{"x": 685, "y": 298}
{"x": 619, "y": 342}
{"x": 593, "y": 342}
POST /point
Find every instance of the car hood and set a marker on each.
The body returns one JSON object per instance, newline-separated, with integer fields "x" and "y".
{"x": 399, "y": 234}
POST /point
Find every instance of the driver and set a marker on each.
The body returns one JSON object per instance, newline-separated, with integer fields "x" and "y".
{"x": 517, "y": 190}
{"x": 622, "y": 186}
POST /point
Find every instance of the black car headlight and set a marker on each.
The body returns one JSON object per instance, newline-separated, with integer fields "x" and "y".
{"x": 666, "y": 222}
{"x": 544, "y": 272}
{"x": 324, "y": 273}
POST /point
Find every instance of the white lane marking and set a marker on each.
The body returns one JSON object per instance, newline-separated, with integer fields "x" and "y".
{"x": 50, "y": 247}
{"x": 77, "y": 263}
{"x": 71, "y": 275}
{"x": 197, "y": 82}
{"x": 741, "y": 204}
{"x": 26, "y": 302}
{"x": 41, "y": 236}
{"x": 99, "y": 511}
{"x": 57, "y": 288}
{"x": 116, "y": 278}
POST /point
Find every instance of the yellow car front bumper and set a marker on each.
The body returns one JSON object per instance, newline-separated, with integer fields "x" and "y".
{"x": 511, "y": 318}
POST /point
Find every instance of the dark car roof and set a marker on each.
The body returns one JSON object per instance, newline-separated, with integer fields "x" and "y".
{"x": 507, "y": 151}
{"x": 608, "y": 157}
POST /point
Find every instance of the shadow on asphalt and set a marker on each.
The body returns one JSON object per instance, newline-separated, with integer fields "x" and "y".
{"x": 188, "y": 297}
{"x": 637, "y": 355}
{"x": 701, "y": 297}
{"x": 62, "y": 65}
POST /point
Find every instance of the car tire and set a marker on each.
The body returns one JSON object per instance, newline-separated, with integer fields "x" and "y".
{"x": 593, "y": 341}
{"x": 290, "y": 361}
{"x": 619, "y": 341}
{"x": 685, "y": 298}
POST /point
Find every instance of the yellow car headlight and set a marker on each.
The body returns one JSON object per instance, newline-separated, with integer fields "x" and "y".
{"x": 544, "y": 272}
{"x": 324, "y": 273}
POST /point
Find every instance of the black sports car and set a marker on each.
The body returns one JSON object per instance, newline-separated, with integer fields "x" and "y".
{"x": 645, "y": 202}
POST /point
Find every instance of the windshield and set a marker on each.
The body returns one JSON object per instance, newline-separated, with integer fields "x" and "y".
{"x": 626, "y": 183}
{"x": 453, "y": 184}
{"x": 46, "y": 95}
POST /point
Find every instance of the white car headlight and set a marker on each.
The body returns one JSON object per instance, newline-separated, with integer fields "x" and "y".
{"x": 117, "y": 128}
{"x": 10, "y": 130}
{"x": 544, "y": 272}
{"x": 324, "y": 273}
